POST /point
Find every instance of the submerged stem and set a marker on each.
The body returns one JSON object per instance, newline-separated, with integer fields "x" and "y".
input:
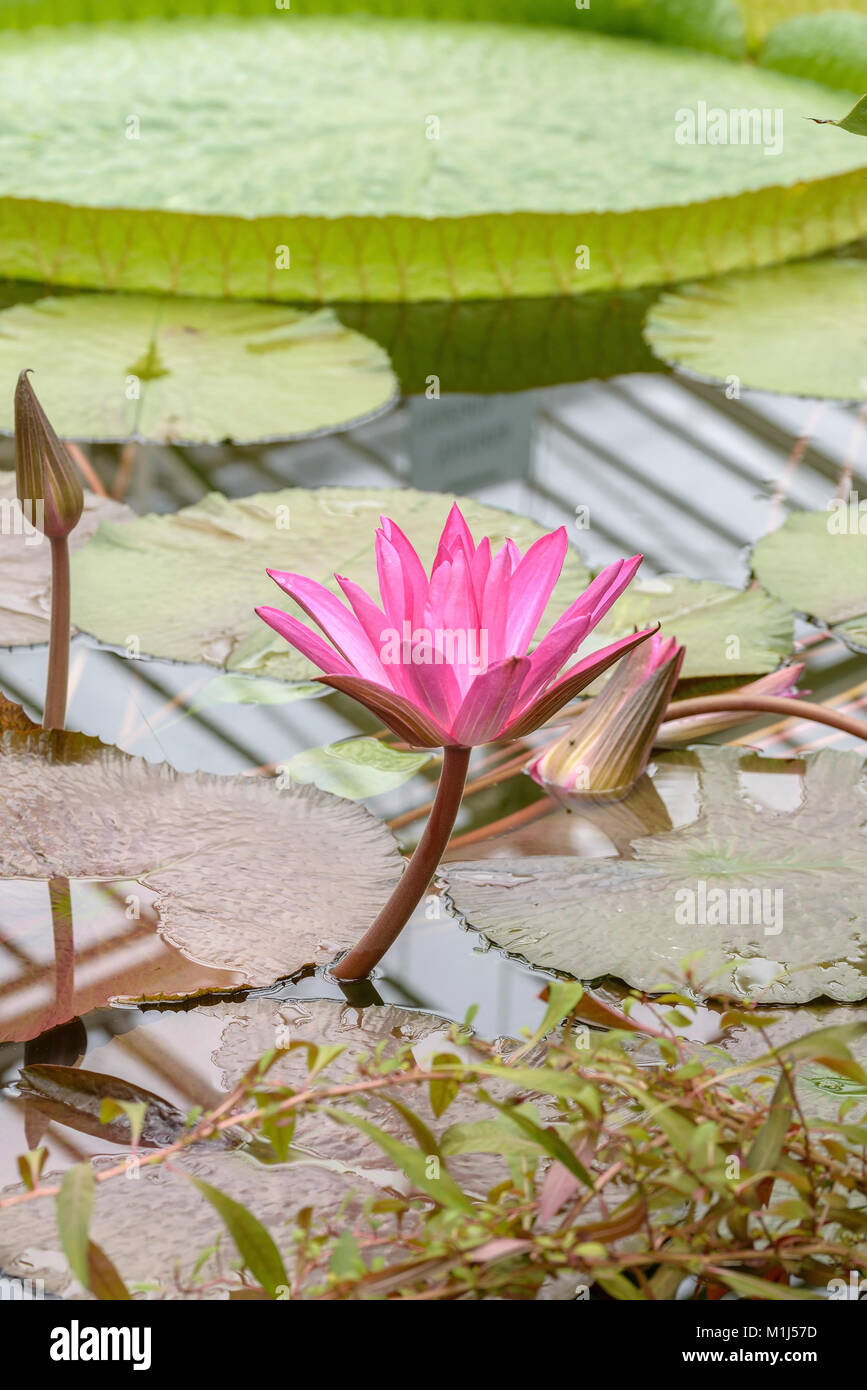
{"x": 359, "y": 962}
{"x": 769, "y": 704}
{"x": 58, "y": 642}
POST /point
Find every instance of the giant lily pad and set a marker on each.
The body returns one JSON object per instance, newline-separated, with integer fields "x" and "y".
{"x": 25, "y": 563}
{"x": 206, "y": 564}
{"x": 817, "y": 562}
{"x": 192, "y": 371}
{"x": 726, "y": 632}
{"x": 239, "y": 874}
{"x": 774, "y": 899}
{"x": 419, "y": 160}
{"x": 794, "y": 328}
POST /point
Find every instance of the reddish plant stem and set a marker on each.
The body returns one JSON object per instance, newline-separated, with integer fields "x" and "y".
{"x": 358, "y": 963}
{"x": 768, "y": 704}
{"x": 56, "y": 685}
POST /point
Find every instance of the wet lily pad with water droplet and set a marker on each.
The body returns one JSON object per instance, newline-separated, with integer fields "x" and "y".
{"x": 817, "y": 562}
{"x": 194, "y": 371}
{"x": 797, "y": 329}
{"x": 206, "y": 568}
{"x": 727, "y": 632}
{"x": 422, "y": 159}
{"x": 203, "y": 883}
{"x": 25, "y": 562}
{"x": 767, "y": 878}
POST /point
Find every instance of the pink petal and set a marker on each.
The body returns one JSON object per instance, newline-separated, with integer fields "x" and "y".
{"x": 413, "y": 576}
{"x": 578, "y": 677}
{"x": 489, "y": 703}
{"x": 534, "y": 580}
{"x": 310, "y": 644}
{"x": 411, "y": 724}
{"x": 337, "y": 622}
{"x": 456, "y": 536}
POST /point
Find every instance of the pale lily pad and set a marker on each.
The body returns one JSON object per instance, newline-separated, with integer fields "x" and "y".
{"x": 355, "y": 767}
{"x": 206, "y": 565}
{"x": 240, "y": 875}
{"x": 795, "y": 328}
{"x": 726, "y": 632}
{"x": 423, "y": 159}
{"x": 155, "y": 1228}
{"x": 195, "y": 371}
{"x": 774, "y": 897}
{"x": 817, "y": 562}
{"x": 25, "y": 563}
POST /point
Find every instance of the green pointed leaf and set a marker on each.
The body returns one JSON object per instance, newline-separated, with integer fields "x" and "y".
{"x": 768, "y": 1143}
{"x": 355, "y": 768}
{"x": 817, "y": 562}
{"x": 346, "y": 1261}
{"x": 103, "y": 1279}
{"x": 798, "y": 329}
{"x": 255, "y": 1245}
{"x": 417, "y": 1165}
{"x": 750, "y": 1286}
{"x": 74, "y": 1207}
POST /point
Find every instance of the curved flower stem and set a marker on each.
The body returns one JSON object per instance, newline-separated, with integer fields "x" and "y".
{"x": 54, "y": 716}
{"x": 767, "y": 704}
{"x": 359, "y": 962}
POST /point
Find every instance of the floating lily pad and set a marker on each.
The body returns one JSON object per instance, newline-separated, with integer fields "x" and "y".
{"x": 726, "y": 632}
{"x": 357, "y": 193}
{"x": 111, "y": 367}
{"x": 830, "y": 48}
{"x": 795, "y": 328}
{"x": 236, "y": 876}
{"x": 25, "y": 564}
{"x": 817, "y": 562}
{"x": 355, "y": 767}
{"x": 773, "y": 896}
{"x": 206, "y": 567}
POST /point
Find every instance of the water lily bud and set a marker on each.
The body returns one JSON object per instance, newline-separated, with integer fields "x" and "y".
{"x": 782, "y": 682}
{"x": 49, "y": 487}
{"x": 608, "y": 747}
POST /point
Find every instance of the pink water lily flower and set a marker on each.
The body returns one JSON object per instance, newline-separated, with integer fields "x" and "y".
{"x": 445, "y": 660}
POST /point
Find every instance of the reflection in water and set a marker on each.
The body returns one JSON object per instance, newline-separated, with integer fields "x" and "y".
{"x": 67, "y": 947}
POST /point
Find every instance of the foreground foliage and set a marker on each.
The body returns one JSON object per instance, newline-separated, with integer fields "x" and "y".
{"x": 635, "y": 1163}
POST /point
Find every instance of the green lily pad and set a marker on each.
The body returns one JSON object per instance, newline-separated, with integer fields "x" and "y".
{"x": 817, "y": 562}
{"x": 215, "y": 882}
{"x": 795, "y": 328}
{"x": 773, "y": 895}
{"x": 357, "y": 193}
{"x": 25, "y": 563}
{"x": 830, "y": 48}
{"x": 355, "y": 767}
{"x": 206, "y": 568}
{"x": 112, "y": 367}
{"x": 726, "y": 632}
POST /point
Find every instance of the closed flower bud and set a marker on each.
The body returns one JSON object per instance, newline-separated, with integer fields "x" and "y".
{"x": 48, "y": 484}
{"x": 608, "y": 747}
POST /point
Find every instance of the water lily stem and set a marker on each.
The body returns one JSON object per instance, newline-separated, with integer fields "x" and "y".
{"x": 359, "y": 962}
{"x": 58, "y": 642}
{"x": 768, "y": 704}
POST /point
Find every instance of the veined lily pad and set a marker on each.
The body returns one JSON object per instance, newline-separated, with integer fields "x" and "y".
{"x": 774, "y": 899}
{"x": 206, "y": 568}
{"x": 25, "y": 563}
{"x": 420, "y": 159}
{"x": 817, "y": 562}
{"x": 240, "y": 874}
{"x": 190, "y": 370}
{"x": 795, "y": 328}
{"x": 726, "y": 632}
{"x": 355, "y": 767}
